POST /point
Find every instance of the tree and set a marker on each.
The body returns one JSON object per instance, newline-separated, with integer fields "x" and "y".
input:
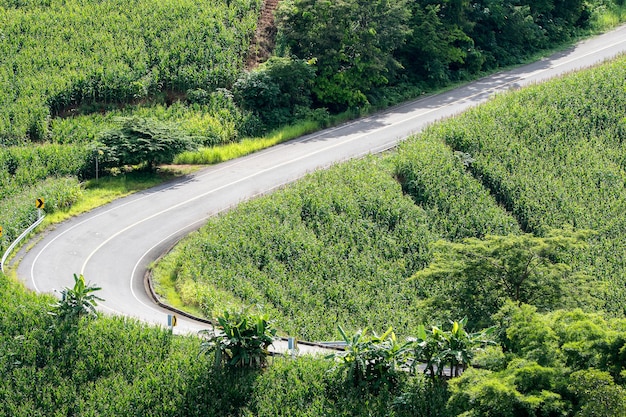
{"x": 597, "y": 394}
{"x": 480, "y": 274}
{"x": 276, "y": 89}
{"x": 352, "y": 42}
{"x": 142, "y": 141}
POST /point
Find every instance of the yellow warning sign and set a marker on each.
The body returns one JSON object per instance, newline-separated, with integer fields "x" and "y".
{"x": 40, "y": 203}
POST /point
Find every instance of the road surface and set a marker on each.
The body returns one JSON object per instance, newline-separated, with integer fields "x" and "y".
{"x": 113, "y": 245}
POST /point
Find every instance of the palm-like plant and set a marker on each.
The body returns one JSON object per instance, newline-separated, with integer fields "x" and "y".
{"x": 239, "y": 340}
{"x": 371, "y": 361}
{"x": 454, "y": 349}
{"x": 79, "y": 301}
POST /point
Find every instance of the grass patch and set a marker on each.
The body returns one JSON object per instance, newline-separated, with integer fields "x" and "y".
{"x": 609, "y": 18}
{"x": 217, "y": 154}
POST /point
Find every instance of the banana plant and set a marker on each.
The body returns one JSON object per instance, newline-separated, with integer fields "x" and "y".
{"x": 371, "y": 361}
{"x": 454, "y": 349}
{"x": 78, "y": 301}
{"x": 239, "y": 340}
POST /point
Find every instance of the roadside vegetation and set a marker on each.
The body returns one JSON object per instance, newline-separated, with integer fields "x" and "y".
{"x": 530, "y": 181}
{"x": 566, "y": 363}
{"x": 489, "y": 245}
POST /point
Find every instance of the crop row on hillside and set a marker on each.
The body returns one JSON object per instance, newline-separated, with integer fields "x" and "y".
{"x": 555, "y": 154}
{"x": 336, "y": 248}
{"x": 112, "y": 51}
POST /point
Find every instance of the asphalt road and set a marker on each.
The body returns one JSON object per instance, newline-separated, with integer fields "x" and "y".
{"x": 113, "y": 245}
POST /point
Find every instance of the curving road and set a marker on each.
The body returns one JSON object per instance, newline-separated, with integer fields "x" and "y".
{"x": 113, "y": 245}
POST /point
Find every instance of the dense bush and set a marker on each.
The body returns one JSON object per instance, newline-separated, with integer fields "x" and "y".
{"x": 276, "y": 91}
{"x": 555, "y": 364}
{"x": 363, "y": 45}
{"x": 142, "y": 142}
{"x": 351, "y": 42}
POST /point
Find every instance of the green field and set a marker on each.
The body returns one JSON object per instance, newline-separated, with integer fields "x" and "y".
{"x": 339, "y": 246}
{"x": 105, "y": 53}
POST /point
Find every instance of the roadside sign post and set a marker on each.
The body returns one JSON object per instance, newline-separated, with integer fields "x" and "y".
{"x": 40, "y": 204}
{"x": 171, "y": 321}
{"x": 292, "y": 346}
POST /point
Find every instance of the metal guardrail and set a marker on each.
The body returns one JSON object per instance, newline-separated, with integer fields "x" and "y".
{"x": 18, "y": 240}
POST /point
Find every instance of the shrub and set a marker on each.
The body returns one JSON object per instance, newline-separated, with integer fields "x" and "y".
{"x": 143, "y": 141}
{"x": 239, "y": 340}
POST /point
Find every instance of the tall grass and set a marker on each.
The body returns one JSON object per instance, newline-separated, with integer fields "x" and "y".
{"x": 216, "y": 154}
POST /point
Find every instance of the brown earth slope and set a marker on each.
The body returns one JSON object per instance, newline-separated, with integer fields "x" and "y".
{"x": 264, "y": 37}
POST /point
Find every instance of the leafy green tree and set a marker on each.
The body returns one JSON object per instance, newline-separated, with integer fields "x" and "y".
{"x": 239, "y": 339}
{"x": 352, "y": 42}
{"x": 597, "y": 394}
{"x": 78, "y": 301}
{"x": 525, "y": 389}
{"x": 276, "y": 90}
{"x": 435, "y": 47}
{"x": 528, "y": 334}
{"x": 481, "y": 274}
{"x": 143, "y": 141}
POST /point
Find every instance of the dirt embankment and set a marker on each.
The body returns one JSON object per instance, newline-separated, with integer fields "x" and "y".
{"x": 264, "y": 37}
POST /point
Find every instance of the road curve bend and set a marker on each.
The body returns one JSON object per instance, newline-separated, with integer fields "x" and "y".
{"x": 114, "y": 245}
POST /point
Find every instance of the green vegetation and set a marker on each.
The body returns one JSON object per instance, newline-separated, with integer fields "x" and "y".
{"x": 554, "y": 155}
{"x": 340, "y": 246}
{"x": 135, "y": 51}
{"x": 484, "y": 273}
{"x": 142, "y": 142}
{"x": 78, "y": 301}
{"x": 216, "y": 154}
{"x": 366, "y": 52}
{"x": 335, "y": 248}
{"x": 477, "y": 195}
{"x": 239, "y": 340}
{"x": 563, "y": 363}
{"x": 547, "y": 366}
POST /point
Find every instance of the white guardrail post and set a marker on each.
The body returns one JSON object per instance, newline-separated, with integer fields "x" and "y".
{"x": 18, "y": 240}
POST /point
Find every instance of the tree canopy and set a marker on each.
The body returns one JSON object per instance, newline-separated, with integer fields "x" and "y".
{"x": 143, "y": 141}
{"x": 352, "y": 42}
{"x": 481, "y": 274}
